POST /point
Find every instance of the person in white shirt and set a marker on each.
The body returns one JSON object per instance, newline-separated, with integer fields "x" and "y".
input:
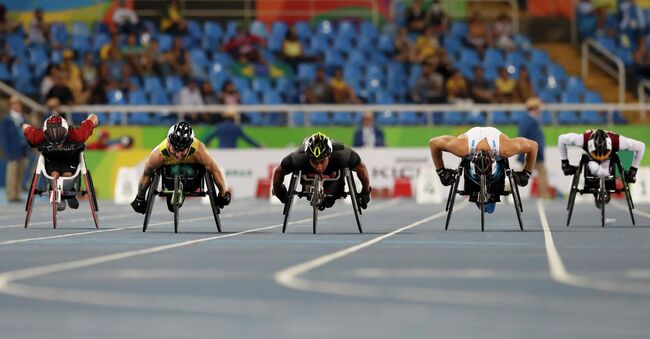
{"x": 369, "y": 135}
{"x": 190, "y": 95}
{"x": 39, "y": 30}
{"x": 125, "y": 19}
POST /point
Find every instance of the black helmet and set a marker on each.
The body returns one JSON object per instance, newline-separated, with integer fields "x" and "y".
{"x": 55, "y": 129}
{"x": 599, "y": 145}
{"x": 181, "y": 136}
{"x": 483, "y": 162}
{"x": 318, "y": 146}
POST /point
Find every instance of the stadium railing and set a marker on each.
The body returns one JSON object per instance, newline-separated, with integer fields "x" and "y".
{"x": 607, "y": 61}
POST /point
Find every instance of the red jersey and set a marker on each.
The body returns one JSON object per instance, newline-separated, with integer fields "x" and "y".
{"x": 36, "y": 136}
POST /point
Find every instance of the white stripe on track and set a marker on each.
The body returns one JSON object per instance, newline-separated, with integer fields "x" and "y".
{"x": 622, "y": 207}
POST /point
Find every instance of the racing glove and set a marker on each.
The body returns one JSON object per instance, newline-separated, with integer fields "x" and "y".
{"x": 630, "y": 175}
{"x": 281, "y": 193}
{"x": 521, "y": 178}
{"x": 139, "y": 205}
{"x": 567, "y": 168}
{"x": 446, "y": 176}
{"x": 224, "y": 200}
{"x": 363, "y": 198}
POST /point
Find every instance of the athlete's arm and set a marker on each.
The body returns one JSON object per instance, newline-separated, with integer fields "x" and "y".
{"x": 203, "y": 158}
{"x": 509, "y": 147}
{"x": 278, "y": 176}
{"x": 568, "y": 139}
{"x": 154, "y": 161}
{"x": 629, "y": 144}
{"x": 447, "y": 143}
{"x": 362, "y": 174}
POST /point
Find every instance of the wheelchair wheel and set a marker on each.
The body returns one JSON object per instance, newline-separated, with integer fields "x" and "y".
{"x": 573, "y": 193}
{"x": 481, "y": 200}
{"x": 626, "y": 189}
{"x": 353, "y": 196}
{"x": 212, "y": 194}
{"x": 315, "y": 217}
{"x": 91, "y": 198}
{"x": 151, "y": 197}
{"x": 516, "y": 198}
{"x": 91, "y": 190}
{"x": 287, "y": 206}
{"x": 452, "y": 197}
{"x": 602, "y": 199}
{"x": 175, "y": 200}
{"x": 30, "y": 199}
{"x": 54, "y": 193}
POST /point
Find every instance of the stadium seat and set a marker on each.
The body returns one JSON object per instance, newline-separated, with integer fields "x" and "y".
{"x": 366, "y": 44}
{"x": 343, "y": 44}
{"x": 231, "y": 28}
{"x": 152, "y": 83}
{"x": 458, "y": 29}
{"x": 279, "y": 29}
{"x": 306, "y": 71}
{"x": 158, "y": 96}
{"x": 173, "y": 84}
{"x": 303, "y": 30}
{"x": 493, "y": 57}
{"x": 319, "y": 118}
{"x": 241, "y": 83}
{"x": 319, "y": 44}
{"x": 575, "y": 84}
{"x": 194, "y": 29}
{"x": 386, "y": 43}
{"x": 258, "y": 28}
{"x": 368, "y": 29}
{"x": 469, "y": 57}
{"x": 411, "y": 118}
{"x": 452, "y": 44}
{"x": 538, "y": 56}
{"x": 81, "y": 44}
{"x": 199, "y": 58}
{"x": 346, "y": 30}
{"x": 333, "y": 58}
{"x": 501, "y": 118}
{"x": 343, "y": 118}
{"x": 4, "y": 72}
{"x": 261, "y": 85}
{"x": 164, "y": 42}
{"x": 568, "y": 118}
{"x": 59, "y": 34}
{"x": 453, "y": 118}
{"x": 325, "y": 28}
{"x": 80, "y": 29}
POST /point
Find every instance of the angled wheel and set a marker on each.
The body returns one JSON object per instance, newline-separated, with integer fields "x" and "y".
{"x": 30, "y": 199}
{"x": 603, "y": 200}
{"x": 54, "y": 199}
{"x": 353, "y": 196}
{"x": 316, "y": 200}
{"x": 315, "y": 218}
{"x": 287, "y": 206}
{"x": 212, "y": 194}
{"x": 516, "y": 198}
{"x": 573, "y": 192}
{"x": 626, "y": 189}
{"x": 151, "y": 197}
{"x": 452, "y": 197}
{"x": 91, "y": 198}
{"x": 175, "y": 200}
{"x": 91, "y": 189}
{"x": 482, "y": 198}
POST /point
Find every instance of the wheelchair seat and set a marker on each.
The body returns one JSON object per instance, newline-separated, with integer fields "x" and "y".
{"x": 191, "y": 176}
{"x": 496, "y": 183}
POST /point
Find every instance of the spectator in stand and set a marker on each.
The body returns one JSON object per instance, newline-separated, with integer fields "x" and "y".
{"x": 125, "y": 20}
{"x": 172, "y": 20}
{"x": 368, "y": 135}
{"x": 318, "y": 90}
{"x": 425, "y": 45}
{"x": 179, "y": 58}
{"x": 89, "y": 73}
{"x": 591, "y": 19}
{"x": 151, "y": 60}
{"x": 477, "y": 37}
{"x": 457, "y": 88}
{"x": 7, "y": 26}
{"x": 39, "y": 30}
{"x": 524, "y": 89}
{"x": 115, "y": 64}
{"x": 6, "y": 54}
{"x": 505, "y": 87}
{"x": 404, "y": 47}
{"x": 229, "y": 131}
{"x": 441, "y": 63}
{"x": 127, "y": 78}
{"x": 15, "y": 149}
{"x": 209, "y": 95}
{"x": 429, "y": 88}
{"x": 132, "y": 52}
{"x": 503, "y": 33}
{"x": 53, "y": 106}
{"x": 341, "y": 91}
{"x": 48, "y": 80}
{"x": 229, "y": 94}
{"x": 60, "y": 90}
{"x": 641, "y": 58}
{"x": 113, "y": 45}
{"x": 190, "y": 95}
{"x": 480, "y": 88}
{"x": 416, "y": 17}
{"x": 292, "y": 50}
{"x": 530, "y": 127}
{"x": 632, "y": 22}
{"x": 72, "y": 71}
{"x": 437, "y": 18}
{"x": 243, "y": 46}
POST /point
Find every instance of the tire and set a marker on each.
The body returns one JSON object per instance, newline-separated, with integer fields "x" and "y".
{"x": 151, "y": 197}
{"x": 29, "y": 205}
{"x": 481, "y": 199}
{"x": 516, "y": 198}
{"x": 176, "y": 194}
{"x": 91, "y": 187}
{"x": 176, "y": 218}
{"x": 91, "y": 200}
{"x": 212, "y": 194}
{"x": 451, "y": 200}
{"x": 573, "y": 193}
{"x": 315, "y": 217}
{"x": 355, "y": 203}
{"x": 287, "y": 206}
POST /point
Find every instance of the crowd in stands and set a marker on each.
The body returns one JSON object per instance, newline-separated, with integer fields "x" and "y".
{"x": 427, "y": 58}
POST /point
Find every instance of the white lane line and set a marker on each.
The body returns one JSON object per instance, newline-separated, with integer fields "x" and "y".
{"x": 224, "y": 216}
{"x": 560, "y": 274}
{"x": 289, "y": 277}
{"x": 622, "y": 207}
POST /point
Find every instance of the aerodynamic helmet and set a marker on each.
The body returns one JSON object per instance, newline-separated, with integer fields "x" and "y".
{"x": 599, "y": 145}
{"x": 181, "y": 136}
{"x": 318, "y": 146}
{"x": 483, "y": 162}
{"x": 55, "y": 129}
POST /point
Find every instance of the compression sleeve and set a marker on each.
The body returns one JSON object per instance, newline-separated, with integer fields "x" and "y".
{"x": 569, "y": 139}
{"x": 287, "y": 164}
{"x": 628, "y": 144}
{"x": 355, "y": 159}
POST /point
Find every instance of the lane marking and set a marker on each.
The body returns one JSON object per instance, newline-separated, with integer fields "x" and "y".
{"x": 560, "y": 274}
{"x": 636, "y": 211}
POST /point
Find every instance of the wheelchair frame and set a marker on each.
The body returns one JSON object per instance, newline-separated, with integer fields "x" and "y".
{"x": 54, "y": 189}
{"x": 178, "y": 195}
{"x": 601, "y": 191}
{"x": 316, "y": 194}
{"x": 482, "y": 194}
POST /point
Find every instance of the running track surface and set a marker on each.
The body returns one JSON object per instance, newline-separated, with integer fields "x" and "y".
{"x": 405, "y": 277}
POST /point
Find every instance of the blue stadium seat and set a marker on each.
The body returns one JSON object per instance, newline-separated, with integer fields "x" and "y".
{"x": 386, "y": 43}
{"x": 568, "y": 118}
{"x": 458, "y": 29}
{"x": 249, "y": 97}
{"x": 357, "y": 58}
{"x": 494, "y": 57}
{"x": 368, "y": 29}
{"x": 272, "y": 97}
{"x": 222, "y": 58}
{"x": 501, "y": 118}
{"x": 387, "y": 118}
{"x": 275, "y": 42}
{"x": 366, "y": 44}
{"x": 319, "y": 44}
{"x": 241, "y": 83}
{"x": 199, "y": 58}
{"x": 173, "y": 84}
{"x": 411, "y": 118}
{"x": 59, "y": 33}
{"x": 452, "y": 44}
{"x": 343, "y": 44}
{"x": 593, "y": 117}
{"x": 279, "y": 29}
{"x": 325, "y": 28}
{"x": 258, "y": 28}
{"x": 319, "y": 118}
{"x": 158, "y": 96}
{"x": 306, "y": 71}
{"x": 138, "y": 98}
{"x": 475, "y": 118}
{"x": 518, "y": 115}
{"x": 164, "y": 42}
{"x": 303, "y": 30}
{"x": 17, "y": 45}
{"x": 194, "y": 29}
{"x": 547, "y": 118}
{"x": 515, "y": 58}
{"x": 4, "y": 72}
{"x": 81, "y": 44}
{"x": 453, "y": 118}
{"x": 469, "y": 57}
{"x": 99, "y": 40}
{"x": 151, "y": 26}
{"x": 333, "y": 58}
{"x": 538, "y": 56}
{"x": 213, "y": 29}
{"x": 343, "y": 118}
{"x": 261, "y": 85}
{"x": 152, "y": 83}
{"x": 575, "y": 84}
{"x": 80, "y": 28}
{"x": 116, "y": 97}
{"x": 346, "y": 30}
{"x": 231, "y": 28}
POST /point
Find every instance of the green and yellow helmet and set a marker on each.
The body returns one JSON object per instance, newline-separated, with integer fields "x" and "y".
{"x": 318, "y": 146}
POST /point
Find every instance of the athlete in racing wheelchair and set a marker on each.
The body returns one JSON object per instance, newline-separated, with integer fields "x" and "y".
{"x": 323, "y": 167}
{"x": 61, "y": 165}
{"x": 601, "y": 164}
{"x": 186, "y": 170}
{"x": 484, "y": 166}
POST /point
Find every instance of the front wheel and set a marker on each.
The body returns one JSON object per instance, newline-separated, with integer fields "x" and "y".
{"x": 315, "y": 217}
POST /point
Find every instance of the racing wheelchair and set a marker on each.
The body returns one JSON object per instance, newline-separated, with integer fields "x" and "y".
{"x": 176, "y": 187}
{"x": 600, "y": 187}
{"x": 58, "y": 189}
{"x": 313, "y": 189}
{"x": 481, "y": 192}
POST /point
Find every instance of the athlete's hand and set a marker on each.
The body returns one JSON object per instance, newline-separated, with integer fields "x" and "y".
{"x": 224, "y": 200}
{"x": 281, "y": 193}
{"x": 446, "y": 176}
{"x": 630, "y": 176}
{"x": 363, "y": 198}
{"x": 139, "y": 205}
{"x": 94, "y": 119}
{"x": 567, "y": 168}
{"x": 521, "y": 178}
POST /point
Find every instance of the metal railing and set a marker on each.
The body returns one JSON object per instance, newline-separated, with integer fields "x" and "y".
{"x": 607, "y": 109}
{"x": 617, "y": 72}
{"x": 641, "y": 92}
{"x": 25, "y": 100}
{"x": 249, "y": 11}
